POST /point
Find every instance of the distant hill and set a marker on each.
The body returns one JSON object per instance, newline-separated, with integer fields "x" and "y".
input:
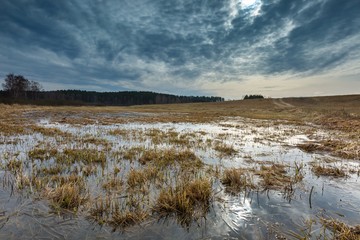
{"x": 77, "y": 97}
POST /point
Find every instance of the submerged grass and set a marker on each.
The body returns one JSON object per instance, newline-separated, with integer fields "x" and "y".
{"x": 340, "y": 230}
{"x": 185, "y": 158}
{"x": 136, "y": 178}
{"x": 132, "y": 153}
{"x": 225, "y": 150}
{"x": 184, "y": 199}
{"x": 183, "y": 195}
{"x": 14, "y": 165}
{"x": 51, "y": 132}
{"x": 69, "y": 196}
{"x": 85, "y": 155}
{"x": 274, "y": 176}
{"x": 349, "y": 150}
{"x": 124, "y": 219}
{"x": 328, "y": 171}
{"x": 42, "y": 153}
{"x": 113, "y": 183}
{"x": 236, "y": 180}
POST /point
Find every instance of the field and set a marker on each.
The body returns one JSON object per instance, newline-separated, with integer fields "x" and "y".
{"x": 253, "y": 169}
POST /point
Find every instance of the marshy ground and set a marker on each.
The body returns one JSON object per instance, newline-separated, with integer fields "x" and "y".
{"x": 254, "y": 169}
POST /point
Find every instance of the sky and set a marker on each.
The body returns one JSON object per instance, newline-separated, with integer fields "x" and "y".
{"x": 226, "y": 48}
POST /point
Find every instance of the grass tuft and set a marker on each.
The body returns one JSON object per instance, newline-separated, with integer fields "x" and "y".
{"x": 235, "y": 180}
{"x": 184, "y": 200}
{"x": 68, "y": 196}
{"x": 328, "y": 171}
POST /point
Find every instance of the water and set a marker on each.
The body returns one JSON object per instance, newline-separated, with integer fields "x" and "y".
{"x": 253, "y": 214}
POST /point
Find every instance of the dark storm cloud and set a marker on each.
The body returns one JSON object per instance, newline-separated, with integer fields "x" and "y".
{"x": 115, "y": 45}
{"x": 316, "y": 24}
{"x": 26, "y": 24}
{"x": 323, "y": 25}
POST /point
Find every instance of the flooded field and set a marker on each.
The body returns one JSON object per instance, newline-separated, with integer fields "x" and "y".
{"x": 116, "y": 176}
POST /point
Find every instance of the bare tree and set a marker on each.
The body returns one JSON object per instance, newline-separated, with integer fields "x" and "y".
{"x": 18, "y": 85}
{"x": 35, "y": 86}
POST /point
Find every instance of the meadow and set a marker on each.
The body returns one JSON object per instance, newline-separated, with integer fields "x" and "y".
{"x": 251, "y": 169}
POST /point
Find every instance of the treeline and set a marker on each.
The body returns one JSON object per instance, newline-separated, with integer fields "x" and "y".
{"x": 255, "y": 96}
{"x": 18, "y": 89}
{"x": 77, "y": 97}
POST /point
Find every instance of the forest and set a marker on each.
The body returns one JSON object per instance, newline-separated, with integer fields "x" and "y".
{"x": 18, "y": 89}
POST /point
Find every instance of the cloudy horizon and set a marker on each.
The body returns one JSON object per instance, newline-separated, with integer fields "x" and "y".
{"x": 277, "y": 48}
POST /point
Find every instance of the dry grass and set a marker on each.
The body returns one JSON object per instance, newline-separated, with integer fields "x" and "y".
{"x": 349, "y": 149}
{"x": 340, "y": 230}
{"x": 132, "y": 153}
{"x": 100, "y": 211}
{"x": 174, "y": 170}
{"x": 69, "y": 196}
{"x": 327, "y": 111}
{"x": 88, "y": 170}
{"x": 42, "y": 154}
{"x": 162, "y": 158}
{"x": 95, "y": 141}
{"x": 225, "y": 150}
{"x": 8, "y": 129}
{"x": 199, "y": 191}
{"x": 59, "y": 180}
{"x": 113, "y": 184}
{"x": 108, "y": 210}
{"x": 184, "y": 199}
{"x": 52, "y": 170}
{"x": 123, "y": 219}
{"x": 328, "y": 171}
{"x": 274, "y": 176}
{"x": 136, "y": 178}
{"x": 175, "y": 202}
{"x": 14, "y": 165}
{"x": 119, "y": 132}
{"x": 51, "y": 132}
{"x": 87, "y": 156}
{"x": 236, "y": 180}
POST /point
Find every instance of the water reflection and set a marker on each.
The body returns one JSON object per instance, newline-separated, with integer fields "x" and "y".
{"x": 254, "y": 214}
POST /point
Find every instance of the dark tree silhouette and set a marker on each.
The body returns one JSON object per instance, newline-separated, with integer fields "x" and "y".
{"x": 35, "y": 86}
{"x": 15, "y": 85}
{"x": 256, "y": 96}
{"x": 18, "y": 85}
{"x": 18, "y": 89}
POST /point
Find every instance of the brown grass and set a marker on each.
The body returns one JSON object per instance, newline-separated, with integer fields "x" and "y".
{"x": 69, "y": 196}
{"x": 341, "y": 230}
{"x": 51, "y": 132}
{"x": 225, "y": 150}
{"x": 136, "y": 178}
{"x": 119, "y": 132}
{"x": 327, "y": 111}
{"x": 274, "y": 176}
{"x": 85, "y": 155}
{"x": 199, "y": 191}
{"x": 184, "y": 199}
{"x": 123, "y": 219}
{"x": 113, "y": 184}
{"x": 349, "y": 149}
{"x": 328, "y": 171}
{"x": 236, "y": 180}
{"x": 14, "y": 165}
{"x": 132, "y": 153}
{"x": 162, "y": 158}
{"x": 42, "y": 153}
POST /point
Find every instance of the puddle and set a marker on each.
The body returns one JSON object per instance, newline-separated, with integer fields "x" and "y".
{"x": 252, "y": 214}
